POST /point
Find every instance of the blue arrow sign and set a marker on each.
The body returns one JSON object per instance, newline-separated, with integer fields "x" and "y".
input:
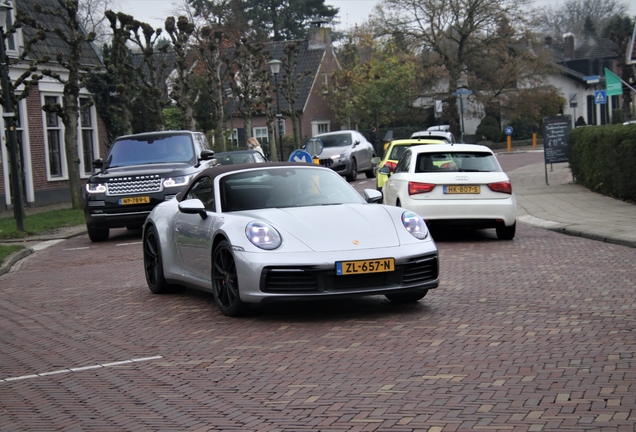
{"x": 300, "y": 156}
{"x": 508, "y": 130}
{"x": 600, "y": 97}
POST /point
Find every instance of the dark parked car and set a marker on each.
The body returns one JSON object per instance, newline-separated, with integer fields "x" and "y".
{"x": 240, "y": 157}
{"x": 140, "y": 172}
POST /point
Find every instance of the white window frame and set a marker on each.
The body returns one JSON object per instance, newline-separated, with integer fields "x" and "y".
{"x": 14, "y": 42}
{"x": 320, "y": 126}
{"x": 325, "y": 83}
{"x": 60, "y": 128}
{"x": 86, "y": 172}
{"x": 261, "y": 134}
{"x": 234, "y": 137}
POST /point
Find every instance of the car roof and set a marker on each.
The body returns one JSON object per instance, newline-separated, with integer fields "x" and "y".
{"x": 218, "y": 170}
{"x": 416, "y": 141}
{"x": 156, "y": 134}
{"x": 433, "y": 133}
{"x": 335, "y": 133}
{"x": 434, "y": 148}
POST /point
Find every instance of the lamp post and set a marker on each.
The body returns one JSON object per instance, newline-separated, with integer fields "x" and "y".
{"x": 18, "y": 211}
{"x": 275, "y": 67}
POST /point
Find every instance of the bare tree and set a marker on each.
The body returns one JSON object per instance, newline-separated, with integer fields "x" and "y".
{"x": 290, "y": 85}
{"x": 180, "y": 34}
{"x": 92, "y": 18}
{"x": 571, "y": 15}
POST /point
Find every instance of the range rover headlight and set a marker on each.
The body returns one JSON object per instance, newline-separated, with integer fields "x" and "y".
{"x": 176, "y": 181}
{"x": 263, "y": 235}
{"x": 415, "y": 225}
{"x": 95, "y": 188}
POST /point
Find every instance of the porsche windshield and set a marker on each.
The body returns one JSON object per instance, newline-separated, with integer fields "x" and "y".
{"x": 151, "y": 150}
{"x": 285, "y": 187}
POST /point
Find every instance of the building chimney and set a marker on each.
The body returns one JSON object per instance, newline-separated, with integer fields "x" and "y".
{"x": 548, "y": 41}
{"x": 568, "y": 46}
{"x": 319, "y": 36}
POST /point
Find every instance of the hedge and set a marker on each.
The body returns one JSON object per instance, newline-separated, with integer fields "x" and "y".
{"x": 603, "y": 159}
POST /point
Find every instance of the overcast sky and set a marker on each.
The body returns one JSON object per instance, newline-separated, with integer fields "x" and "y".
{"x": 154, "y": 12}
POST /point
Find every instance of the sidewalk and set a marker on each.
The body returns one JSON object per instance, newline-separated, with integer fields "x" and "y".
{"x": 568, "y": 208}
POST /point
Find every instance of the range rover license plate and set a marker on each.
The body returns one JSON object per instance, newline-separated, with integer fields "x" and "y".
{"x": 135, "y": 200}
{"x": 365, "y": 266}
{"x": 462, "y": 189}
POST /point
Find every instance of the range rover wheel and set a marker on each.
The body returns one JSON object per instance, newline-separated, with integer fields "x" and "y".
{"x": 225, "y": 288}
{"x": 411, "y": 297}
{"x": 153, "y": 264}
{"x": 97, "y": 234}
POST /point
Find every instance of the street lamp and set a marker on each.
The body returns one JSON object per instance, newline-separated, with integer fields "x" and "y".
{"x": 18, "y": 211}
{"x": 275, "y": 67}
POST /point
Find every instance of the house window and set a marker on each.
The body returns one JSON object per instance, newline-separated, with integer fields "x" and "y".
{"x": 260, "y": 133}
{"x": 53, "y": 137}
{"x": 591, "y": 110}
{"x": 11, "y": 45}
{"x": 234, "y": 137}
{"x": 320, "y": 126}
{"x": 325, "y": 83}
{"x": 87, "y": 136}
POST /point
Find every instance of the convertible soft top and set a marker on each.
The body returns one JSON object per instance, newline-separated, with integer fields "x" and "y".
{"x": 223, "y": 169}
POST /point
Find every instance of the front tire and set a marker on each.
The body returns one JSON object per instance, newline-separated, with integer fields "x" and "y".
{"x": 506, "y": 233}
{"x": 97, "y": 234}
{"x": 353, "y": 174}
{"x": 153, "y": 264}
{"x": 411, "y": 297}
{"x": 225, "y": 287}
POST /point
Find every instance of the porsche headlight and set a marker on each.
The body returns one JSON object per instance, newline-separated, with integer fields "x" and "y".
{"x": 176, "y": 181}
{"x": 95, "y": 188}
{"x": 263, "y": 235}
{"x": 415, "y": 225}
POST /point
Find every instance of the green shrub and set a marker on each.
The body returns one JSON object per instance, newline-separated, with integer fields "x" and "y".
{"x": 602, "y": 158}
{"x": 489, "y": 127}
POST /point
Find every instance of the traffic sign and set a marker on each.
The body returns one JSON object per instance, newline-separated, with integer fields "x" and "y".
{"x": 508, "y": 130}
{"x": 600, "y": 97}
{"x": 314, "y": 146}
{"x": 592, "y": 79}
{"x": 300, "y": 156}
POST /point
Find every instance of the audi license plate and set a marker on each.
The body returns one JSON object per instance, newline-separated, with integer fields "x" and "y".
{"x": 135, "y": 200}
{"x": 462, "y": 189}
{"x": 366, "y": 266}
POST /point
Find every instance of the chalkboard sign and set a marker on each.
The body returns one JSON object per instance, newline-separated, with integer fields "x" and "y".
{"x": 556, "y": 134}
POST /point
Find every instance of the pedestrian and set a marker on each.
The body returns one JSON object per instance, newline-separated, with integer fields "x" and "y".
{"x": 580, "y": 122}
{"x": 253, "y": 144}
{"x": 373, "y": 139}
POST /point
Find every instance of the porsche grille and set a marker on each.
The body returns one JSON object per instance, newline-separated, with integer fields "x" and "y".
{"x": 416, "y": 271}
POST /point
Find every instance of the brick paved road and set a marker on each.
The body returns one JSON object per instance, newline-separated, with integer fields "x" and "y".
{"x": 536, "y": 334}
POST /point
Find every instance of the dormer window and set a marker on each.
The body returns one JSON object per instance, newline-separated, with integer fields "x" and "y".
{"x": 11, "y": 38}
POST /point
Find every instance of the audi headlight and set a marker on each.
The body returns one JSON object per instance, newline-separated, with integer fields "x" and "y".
{"x": 263, "y": 235}
{"x": 95, "y": 188}
{"x": 176, "y": 181}
{"x": 415, "y": 225}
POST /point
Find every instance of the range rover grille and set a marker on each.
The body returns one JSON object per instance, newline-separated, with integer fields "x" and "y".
{"x": 134, "y": 187}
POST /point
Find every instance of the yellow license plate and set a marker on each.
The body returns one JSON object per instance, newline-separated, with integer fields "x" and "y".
{"x": 462, "y": 189}
{"x": 366, "y": 266}
{"x": 135, "y": 200}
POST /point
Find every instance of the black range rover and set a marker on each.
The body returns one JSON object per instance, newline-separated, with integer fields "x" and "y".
{"x": 141, "y": 171}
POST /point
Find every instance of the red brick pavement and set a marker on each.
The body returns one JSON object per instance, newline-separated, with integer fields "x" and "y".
{"x": 536, "y": 334}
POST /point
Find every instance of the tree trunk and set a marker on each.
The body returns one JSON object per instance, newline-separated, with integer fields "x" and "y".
{"x": 70, "y": 120}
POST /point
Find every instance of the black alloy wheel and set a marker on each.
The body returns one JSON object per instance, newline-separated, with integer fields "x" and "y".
{"x": 153, "y": 265}
{"x": 354, "y": 171}
{"x": 225, "y": 288}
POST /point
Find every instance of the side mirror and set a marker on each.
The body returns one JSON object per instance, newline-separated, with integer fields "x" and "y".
{"x": 206, "y": 155}
{"x": 372, "y": 196}
{"x": 98, "y": 163}
{"x": 356, "y": 143}
{"x": 386, "y": 170}
{"x": 193, "y": 206}
{"x": 376, "y": 160}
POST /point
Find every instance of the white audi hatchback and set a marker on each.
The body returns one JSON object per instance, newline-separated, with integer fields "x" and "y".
{"x": 458, "y": 184}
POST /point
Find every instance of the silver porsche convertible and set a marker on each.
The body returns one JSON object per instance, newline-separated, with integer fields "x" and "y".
{"x": 283, "y": 231}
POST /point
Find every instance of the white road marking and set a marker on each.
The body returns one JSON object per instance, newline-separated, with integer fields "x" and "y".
{"x": 128, "y": 244}
{"x": 77, "y": 248}
{"x": 43, "y": 245}
{"x": 80, "y": 369}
